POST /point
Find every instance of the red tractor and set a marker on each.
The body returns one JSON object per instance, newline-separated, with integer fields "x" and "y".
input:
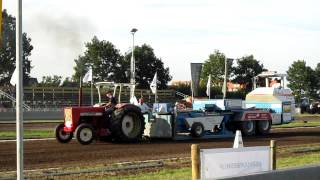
{"x": 126, "y": 123}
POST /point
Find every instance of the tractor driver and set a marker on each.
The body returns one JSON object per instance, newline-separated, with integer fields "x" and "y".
{"x": 109, "y": 107}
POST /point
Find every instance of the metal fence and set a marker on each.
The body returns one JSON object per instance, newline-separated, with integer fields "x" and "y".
{"x": 43, "y": 116}
{"x": 58, "y": 97}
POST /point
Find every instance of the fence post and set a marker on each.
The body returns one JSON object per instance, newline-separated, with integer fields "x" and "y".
{"x": 273, "y": 155}
{"x": 195, "y": 161}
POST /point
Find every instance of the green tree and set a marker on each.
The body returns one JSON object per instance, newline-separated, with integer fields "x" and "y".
{"x": 108, "y": 64}
{"x": 51, "y": 81}
{"x": 68, "y": 82}
{"x": 300, "y": 77}
{"x": 247, "y": 68}
{"x": 214, "y": 66}
{"x": 314, "y": 82}
{"x": 147, "y": 64}
{"x": 317, "y": 76}
{"x": 8, "y": 50}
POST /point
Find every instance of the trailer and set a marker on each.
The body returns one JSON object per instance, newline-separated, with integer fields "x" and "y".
{"x": 209, "y": 118}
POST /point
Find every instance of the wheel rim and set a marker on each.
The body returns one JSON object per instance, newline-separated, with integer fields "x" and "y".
{"x": 264, "y": 125}
{"x": 198, "y": 130}
{"x": 63, "y": 135}
{"x": 249, "y": 126}
{"x": 86, "y": 134}
{"x": 130, "y": 126}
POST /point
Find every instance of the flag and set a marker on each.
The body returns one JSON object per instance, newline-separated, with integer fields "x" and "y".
{"x": 208, "y": 86}
{"x": 14, "y": 77}
{"x": 153, "y": 85}
{"x": 61, "y": 82}
{"x": 88, "y": 76}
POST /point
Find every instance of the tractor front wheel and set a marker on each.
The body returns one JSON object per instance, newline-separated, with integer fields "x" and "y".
{"x": 85, "y": 134}
{"x": 61, "y": 135}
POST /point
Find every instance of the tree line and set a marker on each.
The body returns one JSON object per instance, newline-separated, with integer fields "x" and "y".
{"x": 304, "y": 81}
{"x": 239, "y": 71}
{"x": 109, "y": 64}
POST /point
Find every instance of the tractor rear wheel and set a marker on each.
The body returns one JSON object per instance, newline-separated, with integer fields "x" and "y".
{"x": 61, "y": 135}
{"x": 85, "y": 134}
{"x": 197, "y": 129}
{"x": 127, "y": 124}
{"x": 263, "y": 127}
{"x": 247, "y": 127}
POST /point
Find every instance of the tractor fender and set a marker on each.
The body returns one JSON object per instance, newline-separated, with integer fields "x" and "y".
{"x": 255, "y": 116}
{"x": 127, "y": 106}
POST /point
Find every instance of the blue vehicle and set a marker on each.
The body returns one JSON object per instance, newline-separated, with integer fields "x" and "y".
{"x": 214, "y": 118}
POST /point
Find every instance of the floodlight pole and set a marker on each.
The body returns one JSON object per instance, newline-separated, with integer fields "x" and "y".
{"x": 91, "y": 92}
{"x": 225, "y": 79}
{"x": 19, "y": 92}
{"x": 132, "y": 66}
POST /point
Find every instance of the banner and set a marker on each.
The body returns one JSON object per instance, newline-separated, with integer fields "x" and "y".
{"x": 153, "y": 85}
{"x": 208, "y": 86}
{"x": 230, "y": 162}
{"x": 195, "y": 77}
{"x": 88, "y": 76}
{"x": 14, "y": 77}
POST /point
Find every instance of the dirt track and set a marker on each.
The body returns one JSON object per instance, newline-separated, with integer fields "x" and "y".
{"x": 49, "y": 153}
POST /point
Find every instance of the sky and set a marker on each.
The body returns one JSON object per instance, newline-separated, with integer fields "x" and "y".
{"x": 180, "y": 31}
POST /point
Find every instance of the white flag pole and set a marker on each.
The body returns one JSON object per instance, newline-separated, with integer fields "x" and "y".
{"x": 209, "y": 86}
{"x": 91, "y": 93}
{"x": 155, "y": 96}
{"x": 19, "y": 92}
{"x": 208, "y": 91}
{"x": 91, "y": 85}
{"x": 153, "y": 86}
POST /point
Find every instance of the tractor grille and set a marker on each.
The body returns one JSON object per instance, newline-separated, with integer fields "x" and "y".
{"x": 68, "y": 118}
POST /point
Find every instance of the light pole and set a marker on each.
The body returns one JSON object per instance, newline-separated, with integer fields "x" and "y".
{"x": 224, "y": 88}
{"x": 19, "y": 93}
{"x": 132, "y": 66}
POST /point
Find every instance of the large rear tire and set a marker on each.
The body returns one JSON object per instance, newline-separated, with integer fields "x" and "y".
{"x": 61, "y": 135}
{"x": 85, "y": 134}
{"x": 127, "y": 124}
{"x": 263, "y": 127}
{"x": 248, "y": 128}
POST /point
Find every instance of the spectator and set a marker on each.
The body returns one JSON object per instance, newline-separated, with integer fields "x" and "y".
{"x": 143, "y": 106}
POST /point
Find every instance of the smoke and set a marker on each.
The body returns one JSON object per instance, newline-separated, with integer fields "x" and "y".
{"x": 57, "y": 42}
{"x": 64, "y": 31}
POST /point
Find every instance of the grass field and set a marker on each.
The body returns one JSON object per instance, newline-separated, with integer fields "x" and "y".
{"x": 181, "y": 173}
{"x": 296, "y": 156}
{"x": 310, "y": 123}
{"x": 287, "y": 156}
{"x": 28, "y": 134}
